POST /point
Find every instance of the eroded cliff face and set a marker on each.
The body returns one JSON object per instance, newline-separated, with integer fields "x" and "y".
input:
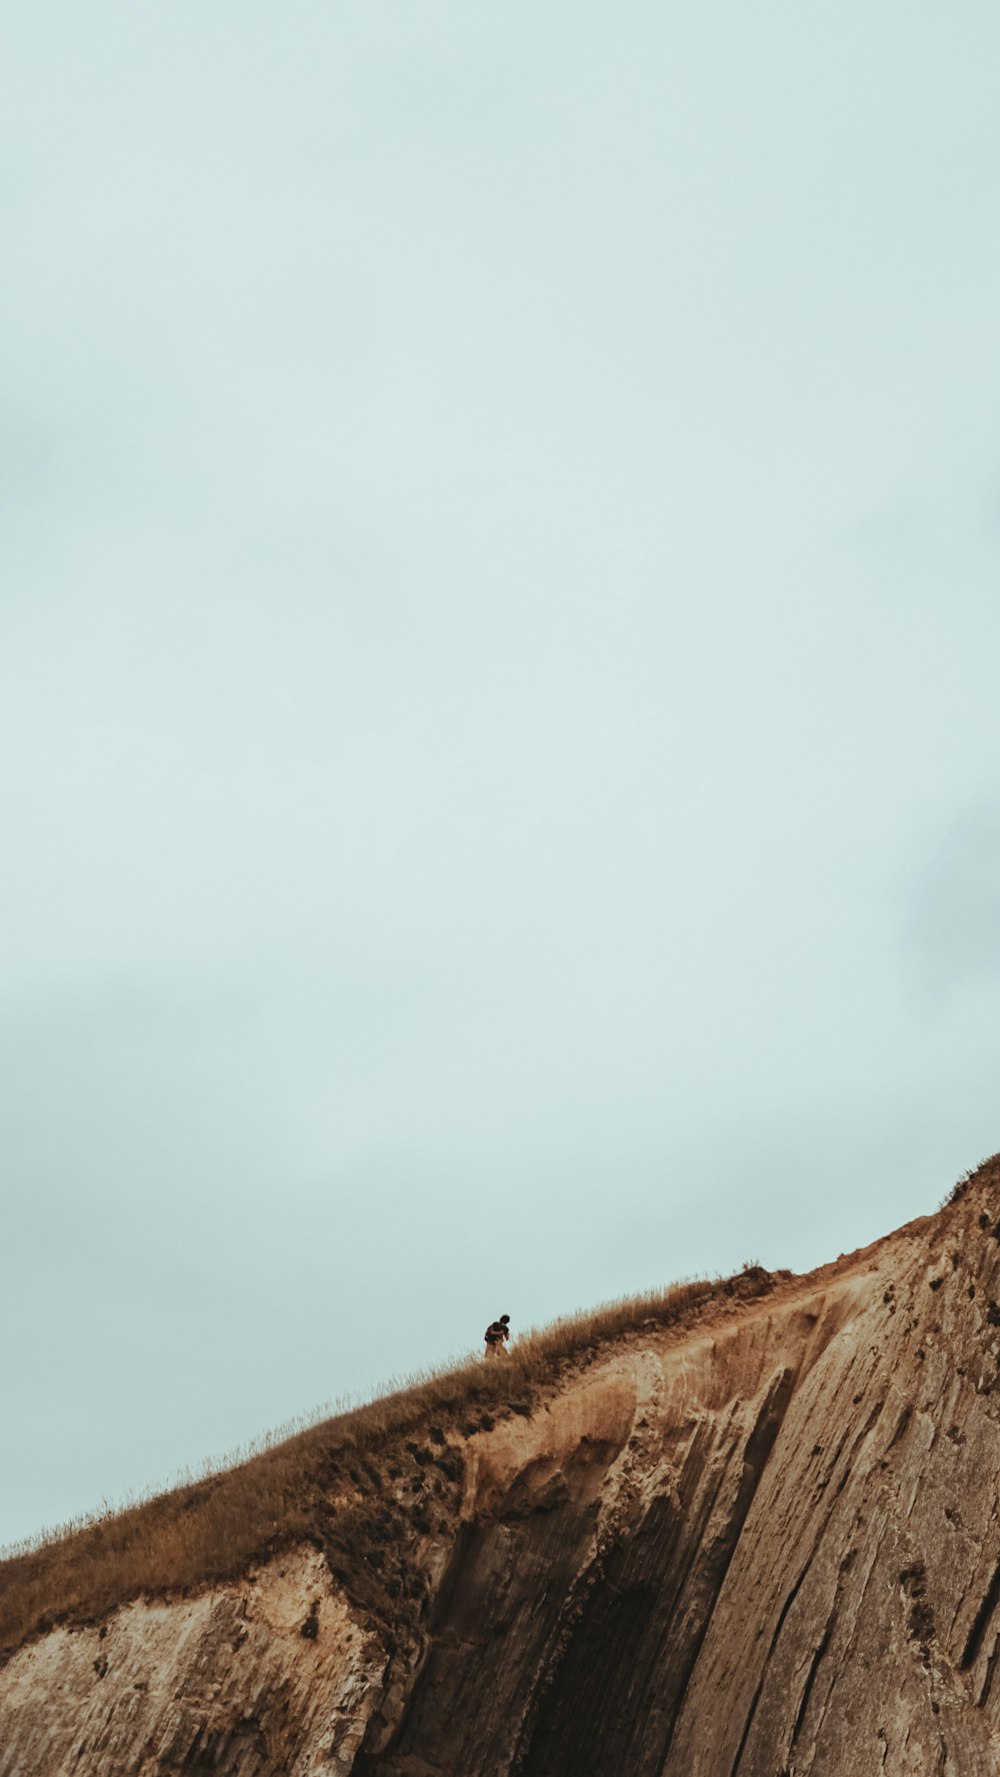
{"x": 767, "y": 1546}
{"x": 223, "y": 1682}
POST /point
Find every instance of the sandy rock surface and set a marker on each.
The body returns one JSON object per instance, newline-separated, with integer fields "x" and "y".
{"x": 225, "y": 1682}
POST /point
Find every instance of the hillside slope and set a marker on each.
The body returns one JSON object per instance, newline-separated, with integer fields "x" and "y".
{"x": 756, "y": 1538}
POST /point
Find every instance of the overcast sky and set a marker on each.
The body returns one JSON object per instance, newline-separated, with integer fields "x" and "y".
{"x": 499, "y": 645}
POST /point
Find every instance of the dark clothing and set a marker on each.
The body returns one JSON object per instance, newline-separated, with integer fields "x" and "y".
{"x": 495, "y": 1335}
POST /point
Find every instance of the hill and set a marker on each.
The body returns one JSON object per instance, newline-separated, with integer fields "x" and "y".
{"x": 746, "y": 1528}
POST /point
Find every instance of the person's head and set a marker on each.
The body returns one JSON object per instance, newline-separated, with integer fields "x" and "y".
{"x": 504, "y": 1318}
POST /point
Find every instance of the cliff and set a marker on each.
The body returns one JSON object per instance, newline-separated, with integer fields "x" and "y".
{"x": 752, "y": 1535}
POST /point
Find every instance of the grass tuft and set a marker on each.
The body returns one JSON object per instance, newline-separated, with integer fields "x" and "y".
{"x": 987, "y": 1171}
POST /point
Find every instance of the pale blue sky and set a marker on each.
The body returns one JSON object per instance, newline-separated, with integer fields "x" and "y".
{"x": 499, "y": 737}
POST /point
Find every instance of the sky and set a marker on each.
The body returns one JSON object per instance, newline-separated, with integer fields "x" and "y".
{"x": 499, "y": 628}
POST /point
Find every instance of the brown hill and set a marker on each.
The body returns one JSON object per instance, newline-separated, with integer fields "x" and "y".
{"x": 745, "y": 1529}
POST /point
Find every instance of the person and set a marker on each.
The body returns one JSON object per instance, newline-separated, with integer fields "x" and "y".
{"x": 496, "y": 1333}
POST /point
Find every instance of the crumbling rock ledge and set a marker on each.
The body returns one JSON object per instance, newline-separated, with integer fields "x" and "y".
{"x": 764, "y": 1546}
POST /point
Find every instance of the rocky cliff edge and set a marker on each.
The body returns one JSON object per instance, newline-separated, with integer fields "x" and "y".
{"x": 756, "y": 1539}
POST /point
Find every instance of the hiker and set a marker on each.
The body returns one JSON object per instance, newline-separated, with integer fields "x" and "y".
{"x": 496, "y": 1333}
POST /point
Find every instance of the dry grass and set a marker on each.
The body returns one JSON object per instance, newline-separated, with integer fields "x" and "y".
{"x": 987, "y": 1172}
{"x": 365, "y": 1486}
